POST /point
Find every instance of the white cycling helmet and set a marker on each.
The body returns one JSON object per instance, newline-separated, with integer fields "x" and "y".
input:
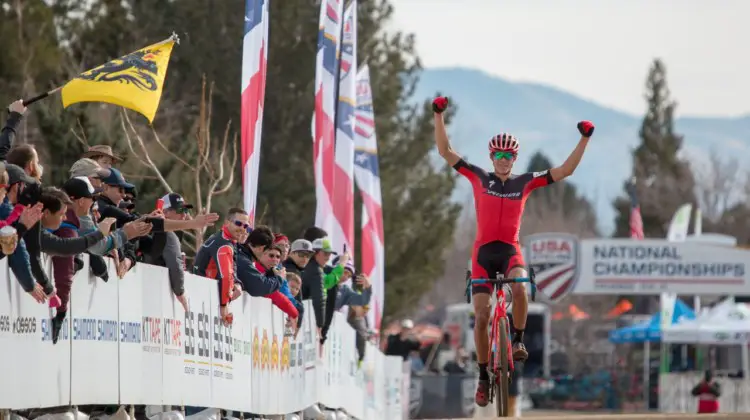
{"x": 504, "y": 142}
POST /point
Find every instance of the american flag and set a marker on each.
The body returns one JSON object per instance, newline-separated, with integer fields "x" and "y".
{"x": 636, "y": 222}
{"x": 254, "y": 57}
{"x": 367, "y": 176}
{"x": 326, "y": 70}
{"x": 343, "y": 181}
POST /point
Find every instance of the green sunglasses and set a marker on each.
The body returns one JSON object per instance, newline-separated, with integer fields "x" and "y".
{"x": 503, "y": 155}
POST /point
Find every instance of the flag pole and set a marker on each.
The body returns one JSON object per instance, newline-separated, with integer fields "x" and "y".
{"x": 27, "y": 102}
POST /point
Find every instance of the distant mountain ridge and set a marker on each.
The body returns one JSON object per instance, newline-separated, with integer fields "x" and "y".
{"x": 544, "y": 118}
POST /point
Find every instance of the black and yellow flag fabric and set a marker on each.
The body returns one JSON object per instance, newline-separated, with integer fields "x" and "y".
{"x": 134, "y": 81}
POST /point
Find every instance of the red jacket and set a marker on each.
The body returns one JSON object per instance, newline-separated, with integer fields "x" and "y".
{"x": 708, "y": 394}
{"x": 63, "y": 268}
{"x": 278, "y": 298}
{"x": 215, "y": 260}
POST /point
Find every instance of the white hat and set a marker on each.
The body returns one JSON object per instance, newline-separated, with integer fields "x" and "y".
{"x": 407, "y": 323}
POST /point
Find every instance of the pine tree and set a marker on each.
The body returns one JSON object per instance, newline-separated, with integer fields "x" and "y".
{"x": 664, "y": 181}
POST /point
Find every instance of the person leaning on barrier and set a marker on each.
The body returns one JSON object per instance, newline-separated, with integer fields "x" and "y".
{"x": 117, "y": 239}
{"x": 216, "y": 259}
{"x": 313, "y": 282}
{"x": 113, "y": 192}
{"x": 254, "y": 281}
{"x": 81, "y": 194}
{"x": 23, "y": 190}
{"x": 266, "y": 265}
{"x": 40, "y": 239}
{"x": 8, "y": 133}
{"x": 166, "y": 248}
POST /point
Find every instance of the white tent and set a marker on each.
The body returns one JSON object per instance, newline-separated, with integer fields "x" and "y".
{"x": 726, "y": 323}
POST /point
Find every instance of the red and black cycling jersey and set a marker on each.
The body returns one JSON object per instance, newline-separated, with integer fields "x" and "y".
{"x": 499, "y": 205}
{"x": 215, "y": 260}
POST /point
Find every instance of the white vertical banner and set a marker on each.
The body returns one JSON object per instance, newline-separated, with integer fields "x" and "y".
{"x": 141, "y": 331}
{"x": 187, "y": 374}
{"x": 698, "y": 227}
{"x": 95, "y": 334}
{"x": 678, "y": 227}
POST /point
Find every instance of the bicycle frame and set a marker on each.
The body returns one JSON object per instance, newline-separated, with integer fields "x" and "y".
{"x": 499, "y": 312}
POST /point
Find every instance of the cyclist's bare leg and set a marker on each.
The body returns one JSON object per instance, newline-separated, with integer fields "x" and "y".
{"x": 481, "y": 341}
{"x": 520, "y": 309}
{"x": 481, "y": 322}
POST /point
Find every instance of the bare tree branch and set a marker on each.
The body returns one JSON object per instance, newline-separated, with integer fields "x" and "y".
{"x": 212, "y": 168}
{"x": 717, "y": 186}
{"x": 146, "y": 155}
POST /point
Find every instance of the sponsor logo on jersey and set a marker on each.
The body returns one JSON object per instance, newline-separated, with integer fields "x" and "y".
{"x": 504, "y": 195}
{"x": 554, "y": 259}
{"x": 542, "y": 173}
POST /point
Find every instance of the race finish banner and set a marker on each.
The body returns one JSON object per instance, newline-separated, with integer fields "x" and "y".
{"x": 563, "y": 264}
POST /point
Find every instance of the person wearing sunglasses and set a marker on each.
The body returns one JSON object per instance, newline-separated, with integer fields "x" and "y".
{"x": 499, "y": 198}
{"x": 216, "y": 259}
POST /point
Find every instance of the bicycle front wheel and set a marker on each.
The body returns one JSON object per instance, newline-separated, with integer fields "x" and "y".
{"x": 502, "y": 375}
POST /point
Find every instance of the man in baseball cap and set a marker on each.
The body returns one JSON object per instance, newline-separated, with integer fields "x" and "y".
{"x": 174, "y": 201}
{"x": 115, "y": 179}
{"x": 323, "y": 245}
{"x": 299, "y": 255}
{"x": 16, "y": 174}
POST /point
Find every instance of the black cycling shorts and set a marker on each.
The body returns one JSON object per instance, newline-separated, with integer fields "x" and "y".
{"x": 492, "y": 258}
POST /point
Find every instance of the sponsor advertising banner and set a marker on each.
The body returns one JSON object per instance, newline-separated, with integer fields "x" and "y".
{"x": 129, "y": 341}
{"x": 563, "y": 264}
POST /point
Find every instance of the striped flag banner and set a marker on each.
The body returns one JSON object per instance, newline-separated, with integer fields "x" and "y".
{"x": 254, "y": 58}
{"x": 367, "y": 176}
{"x": 326, "y": 70}
{"x": 343, "y": 181}
{"x": 636, "y": 222}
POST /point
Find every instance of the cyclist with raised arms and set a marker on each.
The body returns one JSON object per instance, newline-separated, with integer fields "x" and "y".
{"x": 499, "y": 198}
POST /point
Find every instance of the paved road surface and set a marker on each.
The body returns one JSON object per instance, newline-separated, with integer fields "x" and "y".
{"x": 571, "y": 415}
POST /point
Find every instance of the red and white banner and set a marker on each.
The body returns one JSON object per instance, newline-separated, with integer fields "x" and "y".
{"x": 367, "y": 175}
{"x": 326, "y": 70}
{"x": 343, "y": 181}
{"x": 254, "y": 58}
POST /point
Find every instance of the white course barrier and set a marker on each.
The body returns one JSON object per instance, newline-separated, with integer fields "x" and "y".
{"x": 128, "y": 341}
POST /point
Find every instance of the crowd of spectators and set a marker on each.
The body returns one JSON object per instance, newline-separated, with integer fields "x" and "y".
{"x": 93, "y": 213}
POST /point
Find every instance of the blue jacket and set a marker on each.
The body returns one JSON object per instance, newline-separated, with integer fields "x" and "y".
{"x": 19, "y": 261}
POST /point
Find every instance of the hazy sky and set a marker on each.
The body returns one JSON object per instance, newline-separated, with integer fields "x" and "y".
{"x": 597, "y": 49}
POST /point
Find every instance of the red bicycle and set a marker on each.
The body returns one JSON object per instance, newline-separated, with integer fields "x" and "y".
{"x": 500, "y": 357}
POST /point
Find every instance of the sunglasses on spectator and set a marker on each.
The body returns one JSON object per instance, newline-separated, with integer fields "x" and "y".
{"x": 275, "y": 256}
{"x": 503, "y": 155}
{"x": 243, "y": 225}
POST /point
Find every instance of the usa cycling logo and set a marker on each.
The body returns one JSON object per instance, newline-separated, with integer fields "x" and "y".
{"x": 554, "y": 259}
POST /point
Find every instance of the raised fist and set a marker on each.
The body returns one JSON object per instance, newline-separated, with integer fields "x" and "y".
{"x": 440, "y": 104}
{"x": 586, "y": 128}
